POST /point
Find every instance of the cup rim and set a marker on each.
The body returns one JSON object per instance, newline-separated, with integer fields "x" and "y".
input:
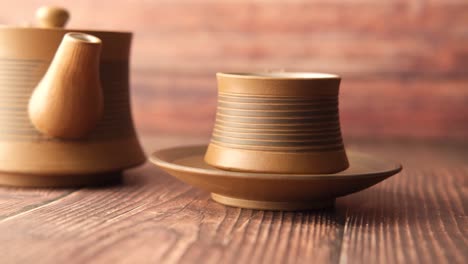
{"x": 279, "y": 75}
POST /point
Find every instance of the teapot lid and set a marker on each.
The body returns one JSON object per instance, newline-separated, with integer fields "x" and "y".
{"x": 51, "y": 16}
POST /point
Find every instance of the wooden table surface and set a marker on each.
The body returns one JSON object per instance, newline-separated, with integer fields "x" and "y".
{"x": 417, "y": 216}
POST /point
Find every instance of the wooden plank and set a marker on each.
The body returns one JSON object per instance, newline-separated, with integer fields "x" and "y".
{"x": 95, "y": 225}
{"x": 357, "y": 54}
{"x": 417, "y": 216}
{"x": 15, "y": 201}
{"x": 162, "y": 222}
{"x": 427, "y": 38}
{"x": 258, "y": 16}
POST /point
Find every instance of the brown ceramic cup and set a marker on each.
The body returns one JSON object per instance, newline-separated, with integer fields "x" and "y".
{"x": 277, "y": 123}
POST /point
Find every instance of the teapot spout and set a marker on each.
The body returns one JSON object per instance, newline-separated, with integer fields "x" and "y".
{"x": 68, "y": 101}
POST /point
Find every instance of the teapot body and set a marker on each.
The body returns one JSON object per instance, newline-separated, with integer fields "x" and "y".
{"x": 25, "y": 55}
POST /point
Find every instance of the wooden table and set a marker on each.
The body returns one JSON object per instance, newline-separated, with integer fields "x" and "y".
{"x": 417, "y": 216}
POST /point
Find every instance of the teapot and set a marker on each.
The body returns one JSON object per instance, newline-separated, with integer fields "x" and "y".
{"x": 65, "y": 115}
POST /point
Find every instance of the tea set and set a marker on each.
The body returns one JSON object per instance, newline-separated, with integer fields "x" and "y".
{"x": 65, "y": 120}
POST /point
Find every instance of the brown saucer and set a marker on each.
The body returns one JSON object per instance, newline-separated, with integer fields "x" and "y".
{"x": 273, "y": 191}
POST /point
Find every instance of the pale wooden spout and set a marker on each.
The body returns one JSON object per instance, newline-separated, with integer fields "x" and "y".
{"x": 68, "y": 101}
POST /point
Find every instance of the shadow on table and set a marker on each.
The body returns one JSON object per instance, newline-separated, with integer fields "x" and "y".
{"x": 373, "y": 206}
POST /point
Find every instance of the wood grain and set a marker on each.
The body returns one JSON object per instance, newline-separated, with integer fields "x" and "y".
{"x": 403, "y": 63}
{"x": 423, "y": 212}
{"x": 15, "y": 201}
{"x": 418, "y": 216}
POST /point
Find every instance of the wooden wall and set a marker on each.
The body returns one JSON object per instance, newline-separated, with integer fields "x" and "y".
{"x": 404, "y": 63}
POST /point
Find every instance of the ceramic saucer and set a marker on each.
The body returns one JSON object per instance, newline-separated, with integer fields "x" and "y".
{"x": 273, "y": 191}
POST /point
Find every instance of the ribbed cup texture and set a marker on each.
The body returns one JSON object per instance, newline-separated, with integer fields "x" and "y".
{"x": 278, "y": 123}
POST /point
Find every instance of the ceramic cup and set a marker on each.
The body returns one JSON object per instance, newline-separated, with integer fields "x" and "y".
{"x": 277, "y": 123}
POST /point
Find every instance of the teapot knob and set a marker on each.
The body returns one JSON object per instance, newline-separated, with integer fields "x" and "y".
{"x": 52, "y": 17}
{"x": 68, "y": 101}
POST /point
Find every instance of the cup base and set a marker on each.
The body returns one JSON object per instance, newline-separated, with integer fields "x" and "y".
{"x": 232, "y": 159}
{"x": 272, "y": 205}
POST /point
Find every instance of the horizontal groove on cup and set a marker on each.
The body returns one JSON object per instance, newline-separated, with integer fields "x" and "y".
{"x": 276, "y": 143}
{"x": 277, "y": 123}
{"x": 256, "y": 113}
{"x": 280, "y": 131}
{"x": 274, "y": 107}
{"x": 276, "y": 120}
{"x": 18, "y": 78}
{"x": 223, "y": 97}
{"x": 276, "y": 136}
{"x": 281, "y": 149}
{"x": 279, "y": 127}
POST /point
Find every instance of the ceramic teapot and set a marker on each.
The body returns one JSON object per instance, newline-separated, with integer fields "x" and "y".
{"x": 65, "y": 116}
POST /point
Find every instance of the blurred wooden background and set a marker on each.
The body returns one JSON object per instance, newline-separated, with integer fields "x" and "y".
{"x": 404, "y": 63}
